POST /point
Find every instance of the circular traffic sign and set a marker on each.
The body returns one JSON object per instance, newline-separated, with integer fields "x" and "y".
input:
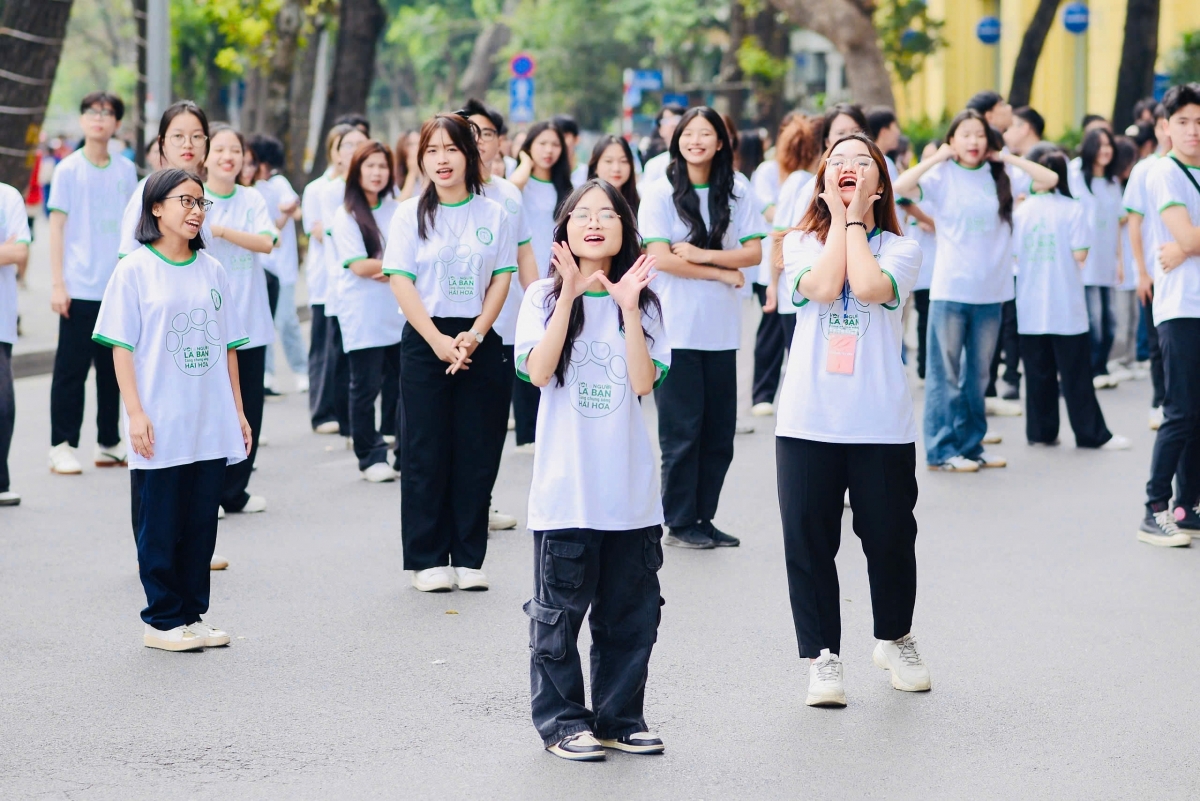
{"x": 1075, "y": 17}
{"x": 522, "y": 65}
{"x": 988, "y": 30}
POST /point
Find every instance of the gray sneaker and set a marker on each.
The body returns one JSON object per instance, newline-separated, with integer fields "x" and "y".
{"x": 1159, "y": 528}
{"x": 689, "y": 537}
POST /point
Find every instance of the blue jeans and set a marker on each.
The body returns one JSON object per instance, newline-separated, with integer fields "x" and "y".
{"x": 288, "y": 326}
{"x": 1102, "y": 324}
{"x": 962, "y": 339}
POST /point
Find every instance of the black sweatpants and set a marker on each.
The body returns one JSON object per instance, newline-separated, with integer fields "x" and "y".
{"x": 1047, "y": 357}
{"x": 8, "y": 411}
{"x": 272, "y": 291}
{"x": 525, "y": 400}
{"x": 1008, "y": 344}
{"x": 1158, "y": 380}
{"x": 372, "y": 371}
{"x": 921, "y": 307}
{"x": 697, "y": 415}
{"x": 175, "y": 526}
{"x": 1177, "y": 445}
{"x": 454, "y": 429}
{"x": 320, "y": 399}
{"x": 329, "y": 391}
{"x": 75, "y": 355}
{"x": 813, "y": 478}
{"x": 616, "y": 574}
{"x": 771, "y": 341}
{"x": 251, "y": 363}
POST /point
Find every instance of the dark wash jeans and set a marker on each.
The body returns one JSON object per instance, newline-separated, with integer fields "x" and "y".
{"x": 616, "y": 574}
{"x": 1177, "y": 445}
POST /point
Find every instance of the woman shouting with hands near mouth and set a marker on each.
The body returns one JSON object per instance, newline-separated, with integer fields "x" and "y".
{"x": 703, "y": 230}
{"x": 845, "y": 417}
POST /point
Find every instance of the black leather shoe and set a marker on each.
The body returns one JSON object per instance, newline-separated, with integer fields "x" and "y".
{"x": 722, "y": 539}
{"x": 690, "y": 537}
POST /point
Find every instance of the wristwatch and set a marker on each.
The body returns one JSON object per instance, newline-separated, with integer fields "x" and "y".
{"x": 478, "y": 336}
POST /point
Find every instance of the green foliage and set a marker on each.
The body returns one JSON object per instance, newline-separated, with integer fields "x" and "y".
{"x": 907, "y": 35}
{"x": 925, "y": 130}
{"x": 756, "y": 62}
{"x": 1071, "y": 140}
{"x": 425, "y": 49}
{"x": 1184, "y": 61}
{"x": 100, "y": 53}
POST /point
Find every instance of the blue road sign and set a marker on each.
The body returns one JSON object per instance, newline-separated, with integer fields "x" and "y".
{"x": 522, "y": 65}
{"x": 520, "y": 100}
{"x": 648, "y": 80}
{"x": 671, "y": 98}
{"x": 988, "y": 30}
{"x": 1075, "y": 18}
{"x": 1161, "y": 84}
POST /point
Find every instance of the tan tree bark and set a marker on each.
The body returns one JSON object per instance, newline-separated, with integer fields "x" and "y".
{"x": 481, "y": 69}
{"x": 281, "y": 67}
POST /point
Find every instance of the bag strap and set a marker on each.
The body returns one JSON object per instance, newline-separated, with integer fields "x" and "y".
{"x": 1186, "y": 172}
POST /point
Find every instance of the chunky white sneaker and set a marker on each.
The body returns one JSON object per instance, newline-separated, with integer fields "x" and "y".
{"x": 992, "y": 438}
{"x": 640, "y": 742}
{"x": 9, "y": 498}
{"x": 1120, "y": 373}
{"x": 764, "y": 409}
{"x": 469, "y": 578}
{"x": 498, "y": 521}
{"x": 220, "y": 512}
{"x": 433, "y": 579}
{"x": 213, "y": 637}
{"x": 116, "y": 456}
{"x": 581, "y": 747}
{"x": 328, "y": 427}
{"x": 825, "y": 687}
{"x": 743, "y": 428}
{"x": 986, "y": 459}
{"x": 379, "y": 473}
{"x": 998, "y": 407}
{"x": 389, "y": 439}
{"x": 180, "y": 638}
{"x": 957, "y": 464}
{"x": 1160, "y": 528}
{"x": 301, "y": 383}
{"x": 909, "y": 673}
{"x": 512, "y": 424}
{"x": 218, "y": 562}
{"x": 1117, "y": 443}
{"x": 1156, "y": 418}
{"x": 1105, "y": 381}
{"x": 63, "y": 460}
{"x": 528, "y": 447}
{"x": 257, "y": 503}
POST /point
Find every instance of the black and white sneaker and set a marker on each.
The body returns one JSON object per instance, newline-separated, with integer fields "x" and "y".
{"x": 641, "y": 742}
{"x": 578, "y": 747}
{"x": 1159, "y": 528}
{"x": 722, "y": 539}
{"x": 1188, "y": 520}
{"x": 689, "y": 537}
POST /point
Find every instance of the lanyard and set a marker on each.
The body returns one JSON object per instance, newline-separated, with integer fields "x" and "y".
{"x": 1186, "y": 172}
{"x": 846, "y": 286}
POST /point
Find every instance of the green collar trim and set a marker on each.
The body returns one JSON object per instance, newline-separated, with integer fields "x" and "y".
{"x": 1175, "y": 155}
{"x": 596, "y": 294}
{"x": 154, "y": 250}
{"x": 83, "y": 153}
{"x": 217, "y": 194}
{"x": 452, "y": 205}
{"x": 978, "y": 166}
{"x": 875, "y": 233}
{"x": 699, "y": 186}
{"x": 533, "y": 177}
{"x": 378, "y": 204}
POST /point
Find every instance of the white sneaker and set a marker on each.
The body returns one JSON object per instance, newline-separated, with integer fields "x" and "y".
{"x": 269, "y": 382}
{"x": 328, "y": 427}
{"x": 526, "y": 448}
{"x": 825, "y": 687}
{"x": 389, "y": 439}
{"x": 763, "y": 409}
{"x": 998, "y": 407}
{"x": 743, "y": 428}
{"x": 301, "y": 383}
{"x": 512, "y": 424}
{"x": 1106, "y": 381}
{"x": 909, "y": 673}
{"x": 957, "y": 464}
{"x": 991, "y": 438}
{"x": 262, "y": 443}
{"x": 9, "y": 498}
{"x": 1156, "y": 418}
{"x": 468, "y": 578}
{"x": 257, "y": 503}
{"x": 1117, "y": 443}
{"x": 220, "y": 512}
{"x": 218, "y": 562}
{"x": 180, "y": 638}
{"x": 213, "y": 637}
{"x": 63, "y": 460}
{"x": 498, "y": 521}
{"x": 846, "y": 500}
{"x": 986, "y": 459}
{"x": 1120, "y": 373}
{"x": 379, "y": 473}
{"x": 433, "y": 579}
{"x": 116, "y": 456}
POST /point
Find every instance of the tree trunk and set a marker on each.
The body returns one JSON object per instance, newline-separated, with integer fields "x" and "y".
{"x": 1031, "y": 51}
{"x": 360, "y": 23}
{"x": 276, "y": 116}
{"x": 1135, "y": 79}
{"x": 31, "y": 41}
{"x": 481, "y": 69}
{"x": 140, "y": 18}
{"x": 847, "y": 23}
{"x": 730, "y": 70}
{"x": 296, "y": 141}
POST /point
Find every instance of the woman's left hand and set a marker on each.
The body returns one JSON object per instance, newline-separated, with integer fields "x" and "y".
{"x": 628, "y": 291}
{"x": 247, "y": 434}
{"x": 689, "y": 252}
{"x": 857, "y": 210}
{"x": 1171, "y": 256}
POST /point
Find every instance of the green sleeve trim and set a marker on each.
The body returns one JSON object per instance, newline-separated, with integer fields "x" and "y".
{"x": 895, "y": 291}
{"x": 522, "y": 373}
{"x": 23, "y": 241}
{"x": 526, "y": 242}
{"x": 1169, "y": 204}
{"x": 764, "y": 208}
{"x": 53, "y": 208}
{"x": 655, "y": 239}
{"x": 746, "y": 239}
{"x": 1078, "y": 250}
{"x": 1135, "y": 211}
{"x": 112, "y": 343}
{"x": 274, "y": 236}
{"x": 237, "y": 343}
{"x": 504, "y": 270}
{"x": 796, "y": 289}
{"x": 662, "y": 372}
{"x": 405, "y": 273}
{"x": 348, "y": 262}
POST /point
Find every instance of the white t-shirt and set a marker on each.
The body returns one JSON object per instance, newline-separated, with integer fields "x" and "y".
{"x": 1129, "y": 281}
{"x": 129, "y": 220}
{"x": 178, "y": 320}
{"x": 872, "y": 404}
{"x": 284, "y": 260}
{"x": 507, "y": 195}
{"x": 369, "y": 315}
{"x": 794, "y": 195}
{"x": 13, "y": 222}
{"x": 1047, "y": 229}
{"x": 594, "y": 467}
{"x": 928, "y": 245}
{"x": 332, "y": 196}
{"x": 766, "y": 185}
{"x": 579, "y": 174}
{"x": 656, "y": 167}
{"x": 243, "y": 210}
{"x": 93, "y": 199}
{"x": 1104, "y": 207}
{"x": 314, "y": 260}
{"x": 1137, "y": 202}
{"x": 700, "y": 314}
{"x": 1176, "y": 293}
{"x": 469, "y": 243}
{"x": 538, "y": 201}
{"x": 974, "y": 263}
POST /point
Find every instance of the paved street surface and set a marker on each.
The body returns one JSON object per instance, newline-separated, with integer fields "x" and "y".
{"x": 1063, "y": 652}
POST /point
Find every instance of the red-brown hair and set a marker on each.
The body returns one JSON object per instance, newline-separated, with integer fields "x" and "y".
{"x": 816, "y": 220}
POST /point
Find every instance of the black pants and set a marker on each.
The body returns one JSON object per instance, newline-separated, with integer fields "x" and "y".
{"x": 454, "y": 429}
{"x": 525, "y": 400}
{"x": 1047, "y": 357}
{"x": 175, "y": 525}
{"x": 813, "y": 478}
{"x": 921, "y": 306}
{"x": 272, "y": 291}
{"x": 75, "y": 356}
{"x": 1177, "y": 445}
{"x": 616, "y": 574}
{"x": 320, "y": 401}
{"x": 697, "y": 415}
{"x": 1158, "y": 379}
{"x": 771, "y": 341}
{"x": 251, "y": 363}
{"x": 510, "y": 385}
{"x": 372, "y": 371}
{"x": 8, "y": 411}
{"x": 1008, "y": 344}
{"x": 328, "y": 374}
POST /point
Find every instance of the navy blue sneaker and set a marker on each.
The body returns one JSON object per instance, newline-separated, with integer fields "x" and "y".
{"x": 689, "y": 537}
{"x": 1188, "y": 519}
{"x": 722, "y": 539}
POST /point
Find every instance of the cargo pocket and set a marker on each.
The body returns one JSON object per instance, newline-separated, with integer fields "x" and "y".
{"x": 564, "y": 565}
{"x": 653, "y": 548}
{"x": 547, "y": 630}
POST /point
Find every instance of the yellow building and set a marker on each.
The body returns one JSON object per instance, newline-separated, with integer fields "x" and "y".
{"x": 1076, "y": 75}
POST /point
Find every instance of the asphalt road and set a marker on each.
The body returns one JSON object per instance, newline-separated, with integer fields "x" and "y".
{"x": 1063, "y": 652}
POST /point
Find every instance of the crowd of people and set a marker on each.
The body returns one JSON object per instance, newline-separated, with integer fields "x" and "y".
{"x": 464, "y": 283}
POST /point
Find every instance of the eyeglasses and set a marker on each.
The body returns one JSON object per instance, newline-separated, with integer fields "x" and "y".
{"x": 180, "y": 139}
{"x": 189, "y": 202}
{"x": 858, "y": 162}
{"x": 486, "y": 135}
{"x": 604, "y": 216}
{"x": 99, "y": 113}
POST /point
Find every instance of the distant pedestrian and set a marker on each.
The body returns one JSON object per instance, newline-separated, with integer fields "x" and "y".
{"x": 14, "y": 251}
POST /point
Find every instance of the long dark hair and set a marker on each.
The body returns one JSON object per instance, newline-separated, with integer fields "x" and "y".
{"x": 995, "y": 143}
{"x": 356, "y": 199}
{"x": 841, "y": 109}
{"x": 173, "y": 111}
{"x": 817, "y": 219}
{"x": 631, "y": 249}
{"x": 560, "y": 173}
{"x": 629, "y": 188}
{"x": 1052, "y": 157}
{"x": 462, "y": 136}
{"x": 158, "y": 187}
{"x": 1091, "y": 149}
{"x": 720, "y": 183}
